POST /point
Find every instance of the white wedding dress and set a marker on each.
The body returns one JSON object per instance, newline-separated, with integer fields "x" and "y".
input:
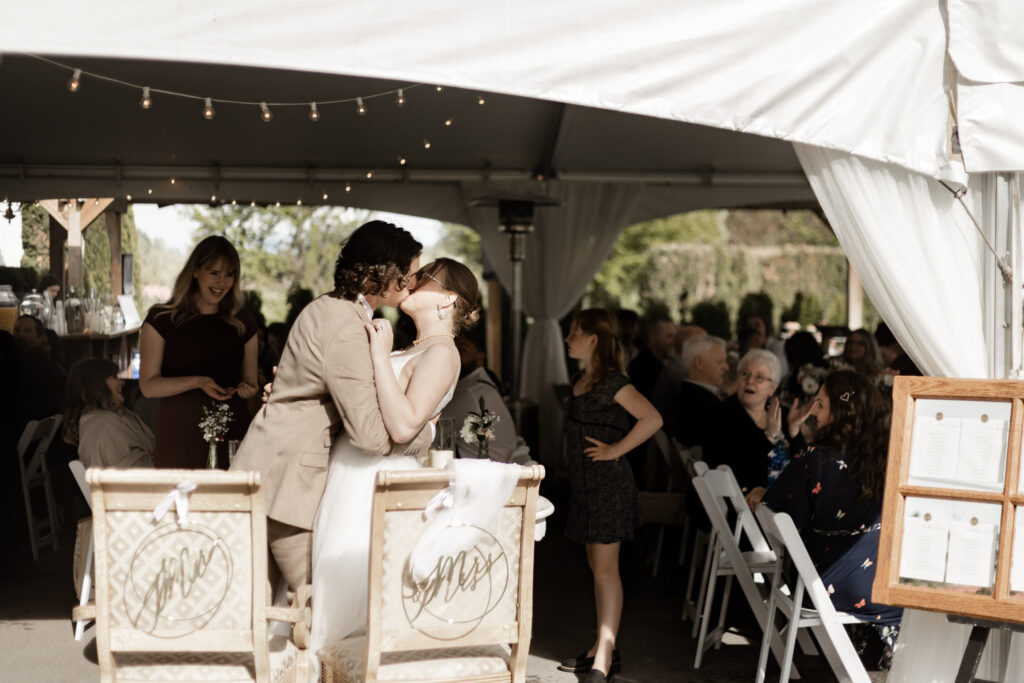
{"x": 341, "y": 532}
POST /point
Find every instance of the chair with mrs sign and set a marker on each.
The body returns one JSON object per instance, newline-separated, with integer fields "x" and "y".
{"x": 469, "y": 619}
{"x": 181, "y": 580}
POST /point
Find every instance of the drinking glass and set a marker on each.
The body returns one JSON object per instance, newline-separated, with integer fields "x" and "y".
{"x": 443, "y": 448}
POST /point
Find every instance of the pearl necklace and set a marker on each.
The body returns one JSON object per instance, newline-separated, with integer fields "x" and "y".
{"x": 417, "y": 342}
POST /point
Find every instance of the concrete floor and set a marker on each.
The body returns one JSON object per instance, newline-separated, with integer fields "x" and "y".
{"x": 37, "y": 641}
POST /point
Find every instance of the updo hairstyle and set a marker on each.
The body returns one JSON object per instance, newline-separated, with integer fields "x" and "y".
{"x": 459, "y": 280}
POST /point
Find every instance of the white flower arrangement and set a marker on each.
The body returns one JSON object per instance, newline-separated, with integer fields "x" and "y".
{"x": 479, "y": 428}
{"x": 811, "y": 377}
{"x": 215, "y": 422}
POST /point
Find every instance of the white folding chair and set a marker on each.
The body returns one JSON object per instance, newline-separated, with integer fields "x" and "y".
{"x": 719, "y": 493}
{"x": 78, "y": 472}
{"x": 42, "y": 531}
{"x": 666, "y": 506}
{"x": 824, "y": 621}
{"x": 695, "y": 467}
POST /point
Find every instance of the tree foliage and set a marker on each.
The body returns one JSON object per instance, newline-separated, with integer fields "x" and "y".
{"x": 281, "y": 247}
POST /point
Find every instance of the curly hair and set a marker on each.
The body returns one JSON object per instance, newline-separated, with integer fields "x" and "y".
{"x": 373, "y": 258}
{"x": 182, "y": 306}
{"x": 86, "y": 390}
{"x": 859, "y": 425}
{"x": 607, "y": 355}
{"x": 458, "y": 279}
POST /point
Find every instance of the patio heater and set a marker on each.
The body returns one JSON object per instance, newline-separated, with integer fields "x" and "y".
{"x": 515, "y": 218}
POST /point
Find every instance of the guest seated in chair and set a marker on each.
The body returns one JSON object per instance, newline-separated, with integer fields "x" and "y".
{"x": 476, "y": 383}
{"x": 747, "y": 431}
{"x": 833, "y": 492}
{"x": 700, "y": 395}
{"x": 107, "y": 433}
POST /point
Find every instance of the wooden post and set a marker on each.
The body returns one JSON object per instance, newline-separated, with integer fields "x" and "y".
{"x": 57, "y": 239}
{"x": 854, "y": 299}
{"x": 74, "y": 215}
{"x": 113, "y": 217}
{"x": 494, "y": 315}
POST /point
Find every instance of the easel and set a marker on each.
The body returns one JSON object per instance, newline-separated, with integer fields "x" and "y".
{"x": 980, "y": 629}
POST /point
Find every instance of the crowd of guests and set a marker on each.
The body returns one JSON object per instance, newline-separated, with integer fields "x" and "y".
{"x": 802, "y": 432}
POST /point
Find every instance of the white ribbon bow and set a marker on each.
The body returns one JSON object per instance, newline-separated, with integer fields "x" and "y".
{"x": 442, "y": 499}
{"x": 179, "y": 498}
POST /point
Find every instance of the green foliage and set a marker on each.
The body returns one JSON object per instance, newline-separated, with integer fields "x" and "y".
{"x": 281, "y": 247}
{"x": 35, "y": 238}
{"x": 713, "y": 316}
{"x": 156, "y": 265}
{"x": 460, "y": 243}
{"x": 806, "y": 310}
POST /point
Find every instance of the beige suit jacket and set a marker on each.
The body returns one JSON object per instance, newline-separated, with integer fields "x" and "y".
{"x": 324, "y": 385}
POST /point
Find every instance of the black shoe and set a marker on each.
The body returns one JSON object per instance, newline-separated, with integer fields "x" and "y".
{"x": 581, "y": 663}
{"x": 598, "y": 676}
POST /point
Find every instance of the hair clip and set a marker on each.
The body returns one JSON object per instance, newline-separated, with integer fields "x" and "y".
{"x": 845, "y": 397}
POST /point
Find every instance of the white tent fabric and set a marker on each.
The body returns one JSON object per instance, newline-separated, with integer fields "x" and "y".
{"x": 861, "y": 76}
{"x": 986, "y": 48}
{"x": 888, "y": 221}
{"x": 568, "y": 246}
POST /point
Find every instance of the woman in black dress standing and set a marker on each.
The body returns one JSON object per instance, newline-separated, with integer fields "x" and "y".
{"x": 606, "y": 419}
{"x": 198, "y": 349}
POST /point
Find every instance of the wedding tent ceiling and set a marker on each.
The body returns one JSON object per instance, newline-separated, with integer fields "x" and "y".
{"x": 100, "y": 142}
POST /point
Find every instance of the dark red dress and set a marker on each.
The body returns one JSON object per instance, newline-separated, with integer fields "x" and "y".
{"x": 205, "y": 345}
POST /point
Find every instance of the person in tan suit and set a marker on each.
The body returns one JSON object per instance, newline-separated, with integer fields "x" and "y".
{"x": 324, "y": 385}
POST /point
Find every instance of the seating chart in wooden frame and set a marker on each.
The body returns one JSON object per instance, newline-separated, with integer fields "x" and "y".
{"x": 952, "y": 536}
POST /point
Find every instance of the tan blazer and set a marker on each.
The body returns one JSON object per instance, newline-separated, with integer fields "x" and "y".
{"x": 324, "y": 385}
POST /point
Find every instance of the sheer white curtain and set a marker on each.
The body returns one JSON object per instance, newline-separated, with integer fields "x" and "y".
{"x": 925, "y": 267}
{"x": 566, "y": 249}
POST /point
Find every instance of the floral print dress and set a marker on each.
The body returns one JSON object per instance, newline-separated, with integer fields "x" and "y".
{"x": 839, "y": 530}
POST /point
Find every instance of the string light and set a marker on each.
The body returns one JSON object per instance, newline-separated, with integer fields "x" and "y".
{"x": 480, "y": 100}
{"x": 369, "y": 175}
{"x": 277, "y": 204}
{"x": 325, "y": 196}
{"x": 400, "y": 98}
{"x": 75, "y": 82}
{"x": 208, "y": 112}
{"x": 265, "y": 113}
{"x": 314, "y": 113}
{"x": 299, "y": 202}
{"x": 213, "y": 197}
{"x": 449, "y": 122}
{"x": 348, "y": 187}
{"x": 146, "y": 102}
{"x": 360, "y": 107}
{"x": 173, "y": 181}
{"x": 234, "y": 203}
{"x": 426, "y": 143}
{"x": 401, "y": 161}
{"x": 148, "y": 191}
{"x": 438, "y": 88}
{"x": 128, "y": 197}
{"x": 252, "y": 204}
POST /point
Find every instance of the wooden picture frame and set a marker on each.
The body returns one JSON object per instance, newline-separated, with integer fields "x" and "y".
{"x": 976, "y": 488}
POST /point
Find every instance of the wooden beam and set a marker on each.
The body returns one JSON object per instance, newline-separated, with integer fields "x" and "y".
{"x": 74, "y": 215}
{"x": 58, "y": 236}
{"x": 113, "y": 217}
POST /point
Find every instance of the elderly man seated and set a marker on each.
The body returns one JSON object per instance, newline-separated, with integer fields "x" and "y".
{"x": 700, "y": 394}
{"x": 475, "y": 383}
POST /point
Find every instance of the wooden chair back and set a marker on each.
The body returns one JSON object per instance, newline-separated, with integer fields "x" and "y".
{"x": 472, "y": 606}
{"x": 35, "y": 475}
{"x": 184, "y": 595}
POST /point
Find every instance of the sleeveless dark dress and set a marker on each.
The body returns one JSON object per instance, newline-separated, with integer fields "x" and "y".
{"x": 603, "y": 503}
{"x": 205, "y": 345}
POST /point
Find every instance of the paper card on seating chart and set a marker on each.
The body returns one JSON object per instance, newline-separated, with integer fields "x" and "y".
{"x": 969, "y": 561}
{"x": 981, "y": 450}
{"x": 923, "y": 555}
{"x": 934, "y": 450}
{"x": 1017, "y": 564}
{"x": 129, "y": 311}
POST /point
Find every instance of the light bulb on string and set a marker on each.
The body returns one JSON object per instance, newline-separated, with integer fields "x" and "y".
{"x": 96, "y": 202}
{"x": 400, "y": 98}
{"x": 325, "y": 196}
{"x": 213, "y": 198}
{"x": 480, "y": 100}
{"x": 208, "y": 112}
{"x": 438, "y": 88}
{"x": 234, "y": 203}
{"x": 448, "y": 122}
{"x": 277, "y": 204}
{"x": 146, "y": 102}
{"x": 128, "y": 197}
{"x": 75, "y": 82}
{"x": 148, "y": 191}
{"x": 265, "y": 113}
{"x": 369, "y": 175}
{"x": 314, "y": 113}
{"x": 173, "y": 181}
{"x": 252, "y": 204}
{"x": 360, "y": 107}
{"x": 299, "y": 202}
{"x": 348, "y": 187}
{"x": 426, "y": 143}
{"x": 401, "y": 160}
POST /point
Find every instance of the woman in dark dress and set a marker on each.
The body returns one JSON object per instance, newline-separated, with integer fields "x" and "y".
{"x": 198, "y": 349}
{"x": 606, "y": 418}
{"x": 833, "y": 492}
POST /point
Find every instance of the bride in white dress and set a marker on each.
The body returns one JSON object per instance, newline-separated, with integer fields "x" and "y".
{"x": 413, "y": 386}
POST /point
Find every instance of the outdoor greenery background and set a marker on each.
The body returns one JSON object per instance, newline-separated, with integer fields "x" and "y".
{"x": 716, "y": 257}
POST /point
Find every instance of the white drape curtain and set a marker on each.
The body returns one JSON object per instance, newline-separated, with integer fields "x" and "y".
{"x": 923, "y": 265}
{"x": 566, "y": 249}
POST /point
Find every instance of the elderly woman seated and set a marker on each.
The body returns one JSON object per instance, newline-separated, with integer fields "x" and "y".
{"x": 107, "y": 433}
{"x": 747, "y": 432}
